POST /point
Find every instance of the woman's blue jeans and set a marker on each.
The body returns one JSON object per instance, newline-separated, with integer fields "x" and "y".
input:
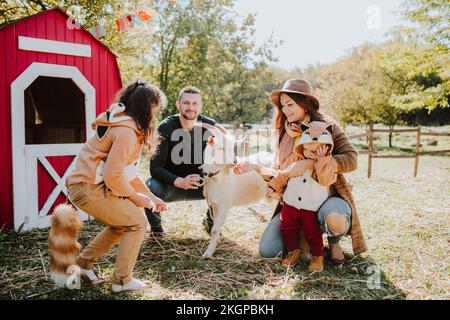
{"x": 271, "y": 243}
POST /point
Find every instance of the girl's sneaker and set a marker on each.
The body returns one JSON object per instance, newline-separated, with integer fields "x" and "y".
{"x": 133, "y": 285}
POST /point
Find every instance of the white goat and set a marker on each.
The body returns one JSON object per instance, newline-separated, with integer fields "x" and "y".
{"x": 223, "y": 189}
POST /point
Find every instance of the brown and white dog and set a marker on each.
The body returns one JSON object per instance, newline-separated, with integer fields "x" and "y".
{"x": 63, "y": 245}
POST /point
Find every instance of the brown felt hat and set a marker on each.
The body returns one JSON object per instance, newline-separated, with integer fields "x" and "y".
{"x": 298, "y": 86}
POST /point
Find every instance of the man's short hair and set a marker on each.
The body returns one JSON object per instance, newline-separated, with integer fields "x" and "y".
{"x": 189, "y": 89}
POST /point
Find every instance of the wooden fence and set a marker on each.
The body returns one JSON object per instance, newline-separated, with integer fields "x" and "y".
{"x": 369, "y": 134}
{"x": 372, "y": 153}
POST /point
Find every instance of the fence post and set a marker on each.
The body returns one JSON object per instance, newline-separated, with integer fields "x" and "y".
{"x": 246, "y": 144}
{"x": 370, "y": 137}
{"x": 416, "y": 163}
{"x": 257, "y": 140}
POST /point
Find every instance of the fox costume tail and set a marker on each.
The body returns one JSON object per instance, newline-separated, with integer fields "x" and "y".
{"x": 63, "y": 245}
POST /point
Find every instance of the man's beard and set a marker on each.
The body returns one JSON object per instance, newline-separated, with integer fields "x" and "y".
{"x": 189, "y": 117}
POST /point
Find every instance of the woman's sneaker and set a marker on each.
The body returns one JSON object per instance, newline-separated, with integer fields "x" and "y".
{"x": 133, "y": 285}
{"x": 316, "y": 264}
{"x": 292, "y": 258}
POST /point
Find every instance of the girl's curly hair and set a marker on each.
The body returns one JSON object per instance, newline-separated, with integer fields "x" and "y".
{"x": 142, "y": 102}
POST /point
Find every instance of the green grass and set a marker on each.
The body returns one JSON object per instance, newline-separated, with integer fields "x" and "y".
{"x": 405, "y": 221}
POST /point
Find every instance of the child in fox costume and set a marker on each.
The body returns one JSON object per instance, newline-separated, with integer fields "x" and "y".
{"x": 105, "y": 184}
{"x": 302, "y": 196}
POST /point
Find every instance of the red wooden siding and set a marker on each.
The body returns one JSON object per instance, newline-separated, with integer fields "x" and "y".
{"x": 101, "y": 70}
{"x": 46, "y": 182}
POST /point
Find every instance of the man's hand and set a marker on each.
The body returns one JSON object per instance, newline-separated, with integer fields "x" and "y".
{"x": 191, "y": 182}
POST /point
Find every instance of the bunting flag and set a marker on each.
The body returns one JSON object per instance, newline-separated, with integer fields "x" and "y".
{"x": 134, "y": 19}
{"x": 145, "y": 15}
{"x": 123, "y": 24}
{"x": 98, "y": 31}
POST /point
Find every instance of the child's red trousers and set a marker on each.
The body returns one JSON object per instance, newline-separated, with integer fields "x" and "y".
{"x": 292, "y": 221}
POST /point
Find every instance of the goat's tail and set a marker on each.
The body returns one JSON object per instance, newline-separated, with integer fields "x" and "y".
{"x": 63, "y": 245}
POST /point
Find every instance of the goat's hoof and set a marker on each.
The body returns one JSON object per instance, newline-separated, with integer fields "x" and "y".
{"x": 207, "y": 255}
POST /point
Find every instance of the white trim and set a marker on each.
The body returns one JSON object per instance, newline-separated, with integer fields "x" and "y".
{"x": 52, "y": 46}
{"x": 25, "y": 157}
{"x": 60, "y": 184}
{"x": 53, "y": 149}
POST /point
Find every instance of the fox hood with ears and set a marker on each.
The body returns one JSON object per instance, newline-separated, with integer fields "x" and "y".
{"x": 316, "y": 131}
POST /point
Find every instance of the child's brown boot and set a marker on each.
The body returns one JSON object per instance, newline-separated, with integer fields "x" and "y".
{"x": 316, "y": 264}
{"x": 292, "y": 258}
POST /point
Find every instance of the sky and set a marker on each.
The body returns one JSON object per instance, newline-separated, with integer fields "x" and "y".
{"x": 319, "y": 30}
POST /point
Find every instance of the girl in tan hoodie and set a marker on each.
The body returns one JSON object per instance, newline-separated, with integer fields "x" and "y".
{"x": 105, "y": 183}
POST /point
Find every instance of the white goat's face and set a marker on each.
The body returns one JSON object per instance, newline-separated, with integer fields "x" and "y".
{"x": 219, "y": 151}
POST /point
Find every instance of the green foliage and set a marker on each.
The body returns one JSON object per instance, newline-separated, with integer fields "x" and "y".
{"x": 410, "y": 71}
{"x": 204, "y": 46}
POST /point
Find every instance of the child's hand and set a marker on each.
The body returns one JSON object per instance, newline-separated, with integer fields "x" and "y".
{"x": 271, "y": 195}
{"x": 322, "y": 151}
{"x": 159, "y": 205}
{"x": 245, "y": 167}
{"x": 142, "y": 200}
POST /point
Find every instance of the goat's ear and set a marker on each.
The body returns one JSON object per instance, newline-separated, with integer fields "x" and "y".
{"x": 211, "y": 140}
{"x": 330, "y": 128}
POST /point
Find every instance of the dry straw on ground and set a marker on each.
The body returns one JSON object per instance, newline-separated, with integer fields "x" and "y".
{"x": 405, "y": 220}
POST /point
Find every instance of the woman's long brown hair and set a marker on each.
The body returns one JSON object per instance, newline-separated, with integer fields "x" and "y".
{"x": 142, "y": 102}
{"x": 279, "y": 118}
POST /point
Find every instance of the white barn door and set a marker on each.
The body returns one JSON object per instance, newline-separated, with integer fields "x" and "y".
{"x": 28, "y": 159}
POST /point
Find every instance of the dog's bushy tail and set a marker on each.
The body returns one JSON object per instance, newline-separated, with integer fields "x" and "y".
{"x": 63, "y": 245}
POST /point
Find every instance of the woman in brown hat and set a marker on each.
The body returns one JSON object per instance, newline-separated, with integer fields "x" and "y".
{"x": 337, "y": 216}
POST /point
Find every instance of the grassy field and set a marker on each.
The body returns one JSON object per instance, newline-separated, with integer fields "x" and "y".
{"x": 406, "y": 223}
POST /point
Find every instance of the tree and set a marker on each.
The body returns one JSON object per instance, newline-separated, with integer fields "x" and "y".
{"x": 418, "y": 58}
{"x": 203, "y": 45}
{"x": 200, "y": 44}
{"x": 409, "y": 71}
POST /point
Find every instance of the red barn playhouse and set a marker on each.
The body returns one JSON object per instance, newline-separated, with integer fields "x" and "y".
{"x": 54, "y": 81}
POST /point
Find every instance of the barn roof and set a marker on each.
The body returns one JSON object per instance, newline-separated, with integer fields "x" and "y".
{"x": 60, "y": 11}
